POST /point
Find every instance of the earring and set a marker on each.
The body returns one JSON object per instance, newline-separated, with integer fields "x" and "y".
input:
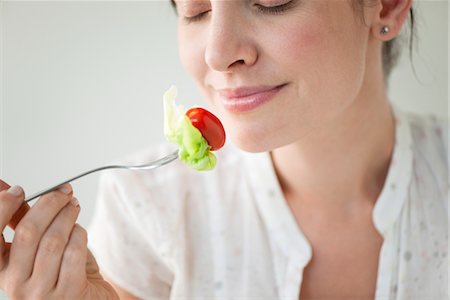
{"x": 384, "y": 30}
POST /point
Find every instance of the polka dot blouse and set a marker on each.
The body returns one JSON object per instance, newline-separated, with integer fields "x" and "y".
{"x": 176, "y": 233}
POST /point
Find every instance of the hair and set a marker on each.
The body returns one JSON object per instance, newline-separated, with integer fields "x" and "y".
{"x": 391, "y": 49}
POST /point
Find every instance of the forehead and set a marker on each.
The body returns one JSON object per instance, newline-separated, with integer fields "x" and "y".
{"x": 356, "y": 4}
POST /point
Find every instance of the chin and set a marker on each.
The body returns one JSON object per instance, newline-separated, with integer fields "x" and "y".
{"x": 251, "y": 135}
{"x": 254, "y": 142}
{"x": 249, "y": 147}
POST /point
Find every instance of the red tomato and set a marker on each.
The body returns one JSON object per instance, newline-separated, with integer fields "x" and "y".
{"x": 209, "y": 126}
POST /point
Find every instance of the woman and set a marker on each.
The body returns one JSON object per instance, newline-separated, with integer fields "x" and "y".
{"x": 336, "y": 195}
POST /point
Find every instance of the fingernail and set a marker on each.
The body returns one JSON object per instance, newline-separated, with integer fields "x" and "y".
{"x": 75, "y": 202}
{"x": 15, "y": 191}
{"x": 66, "y": 189}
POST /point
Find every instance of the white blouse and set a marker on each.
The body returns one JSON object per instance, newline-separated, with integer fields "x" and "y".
{"x": 176, "y": 233}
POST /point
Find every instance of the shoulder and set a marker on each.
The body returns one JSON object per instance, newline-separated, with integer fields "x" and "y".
{"x": 429, "y": 134}
{"x": 172, "y": 173}
{"x": 165, "y": 196}
{"x": 430, "y": 131}
{"x": 429, "y": 141}
{"x": 176, "y": 174}
{"x": 428, "y": 128}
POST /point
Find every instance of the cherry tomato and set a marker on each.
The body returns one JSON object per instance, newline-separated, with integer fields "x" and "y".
{"x": 209, "y": 126}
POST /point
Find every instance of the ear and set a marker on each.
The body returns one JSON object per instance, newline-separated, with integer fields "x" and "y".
{"x": 392, "y": 14}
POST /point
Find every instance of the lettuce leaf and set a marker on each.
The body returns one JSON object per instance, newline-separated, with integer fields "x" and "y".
{"x": 194, "y": 149}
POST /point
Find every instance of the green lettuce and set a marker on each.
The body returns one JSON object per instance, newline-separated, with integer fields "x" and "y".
{"x": 194, "y": 149}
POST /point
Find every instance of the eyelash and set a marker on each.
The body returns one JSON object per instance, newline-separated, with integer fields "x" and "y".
{"x": 275, "y": 9}
{"x": 264, "y": 9}
{"x": 196, "y": 18}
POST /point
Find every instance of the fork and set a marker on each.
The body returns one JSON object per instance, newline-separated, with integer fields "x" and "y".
{"x": 152, "y": 165}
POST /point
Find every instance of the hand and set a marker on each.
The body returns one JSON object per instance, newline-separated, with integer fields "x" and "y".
{"x": 48, "y": 257}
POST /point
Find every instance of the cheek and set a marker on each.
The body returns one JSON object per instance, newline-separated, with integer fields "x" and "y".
{"x": 326, "y": 63}
{"x": 302, "y": 43}
{"x": 191, "y": 54}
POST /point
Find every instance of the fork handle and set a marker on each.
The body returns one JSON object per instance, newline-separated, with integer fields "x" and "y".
{"x": 153, "y": 165}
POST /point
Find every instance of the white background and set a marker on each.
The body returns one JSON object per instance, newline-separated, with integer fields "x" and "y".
{"x": 82, "y": 84}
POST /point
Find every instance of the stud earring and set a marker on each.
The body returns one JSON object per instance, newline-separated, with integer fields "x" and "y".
{"x": 384, "y": 30}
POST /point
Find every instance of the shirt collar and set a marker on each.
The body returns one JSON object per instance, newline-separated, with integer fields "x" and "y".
{"x": 387, "y": 207}
{"x": 395, "y": 189}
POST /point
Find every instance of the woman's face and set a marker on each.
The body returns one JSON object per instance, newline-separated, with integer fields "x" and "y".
{"x": 273, "y": 70}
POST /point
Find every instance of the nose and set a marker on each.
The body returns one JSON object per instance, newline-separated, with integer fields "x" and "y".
{"x": 229, "y": 45}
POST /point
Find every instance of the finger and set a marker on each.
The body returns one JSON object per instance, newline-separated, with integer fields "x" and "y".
{"x": 10, "y": 201}
{"x": 7, "y": 247}
{"x": 92, "y": 269}
{"x": 3, "y": 185}
{"x": 4, "y": 254}
{"x": 18, "y": 215}
{"x": 72, "y": 275}
{"x": 22, "y": 210}
{"x": 3, "y": 250}
{"x": 30, "y": 229}
{"x": 51, "y": 248}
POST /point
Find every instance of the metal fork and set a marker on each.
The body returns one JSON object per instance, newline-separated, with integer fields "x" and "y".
{"x": 152, "y": 165}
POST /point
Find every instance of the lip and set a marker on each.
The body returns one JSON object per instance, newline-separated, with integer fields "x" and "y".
{"x": 247, "y": 98}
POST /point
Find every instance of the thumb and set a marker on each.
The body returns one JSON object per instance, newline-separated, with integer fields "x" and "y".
{"x": 92, "y": 269}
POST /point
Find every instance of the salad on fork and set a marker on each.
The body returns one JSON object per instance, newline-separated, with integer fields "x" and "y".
{"x": 197, "y": 132}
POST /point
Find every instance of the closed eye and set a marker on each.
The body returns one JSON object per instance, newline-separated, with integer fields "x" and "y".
{"x": 275, "y": 9}
{"x": 196, "y": 18}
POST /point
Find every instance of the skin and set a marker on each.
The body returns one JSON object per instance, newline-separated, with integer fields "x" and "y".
{"x": 330, "y": 128}
{"x": 332, "y": 66}
{"x": 48, "y": 257}
{"x": 331, "y": 118}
